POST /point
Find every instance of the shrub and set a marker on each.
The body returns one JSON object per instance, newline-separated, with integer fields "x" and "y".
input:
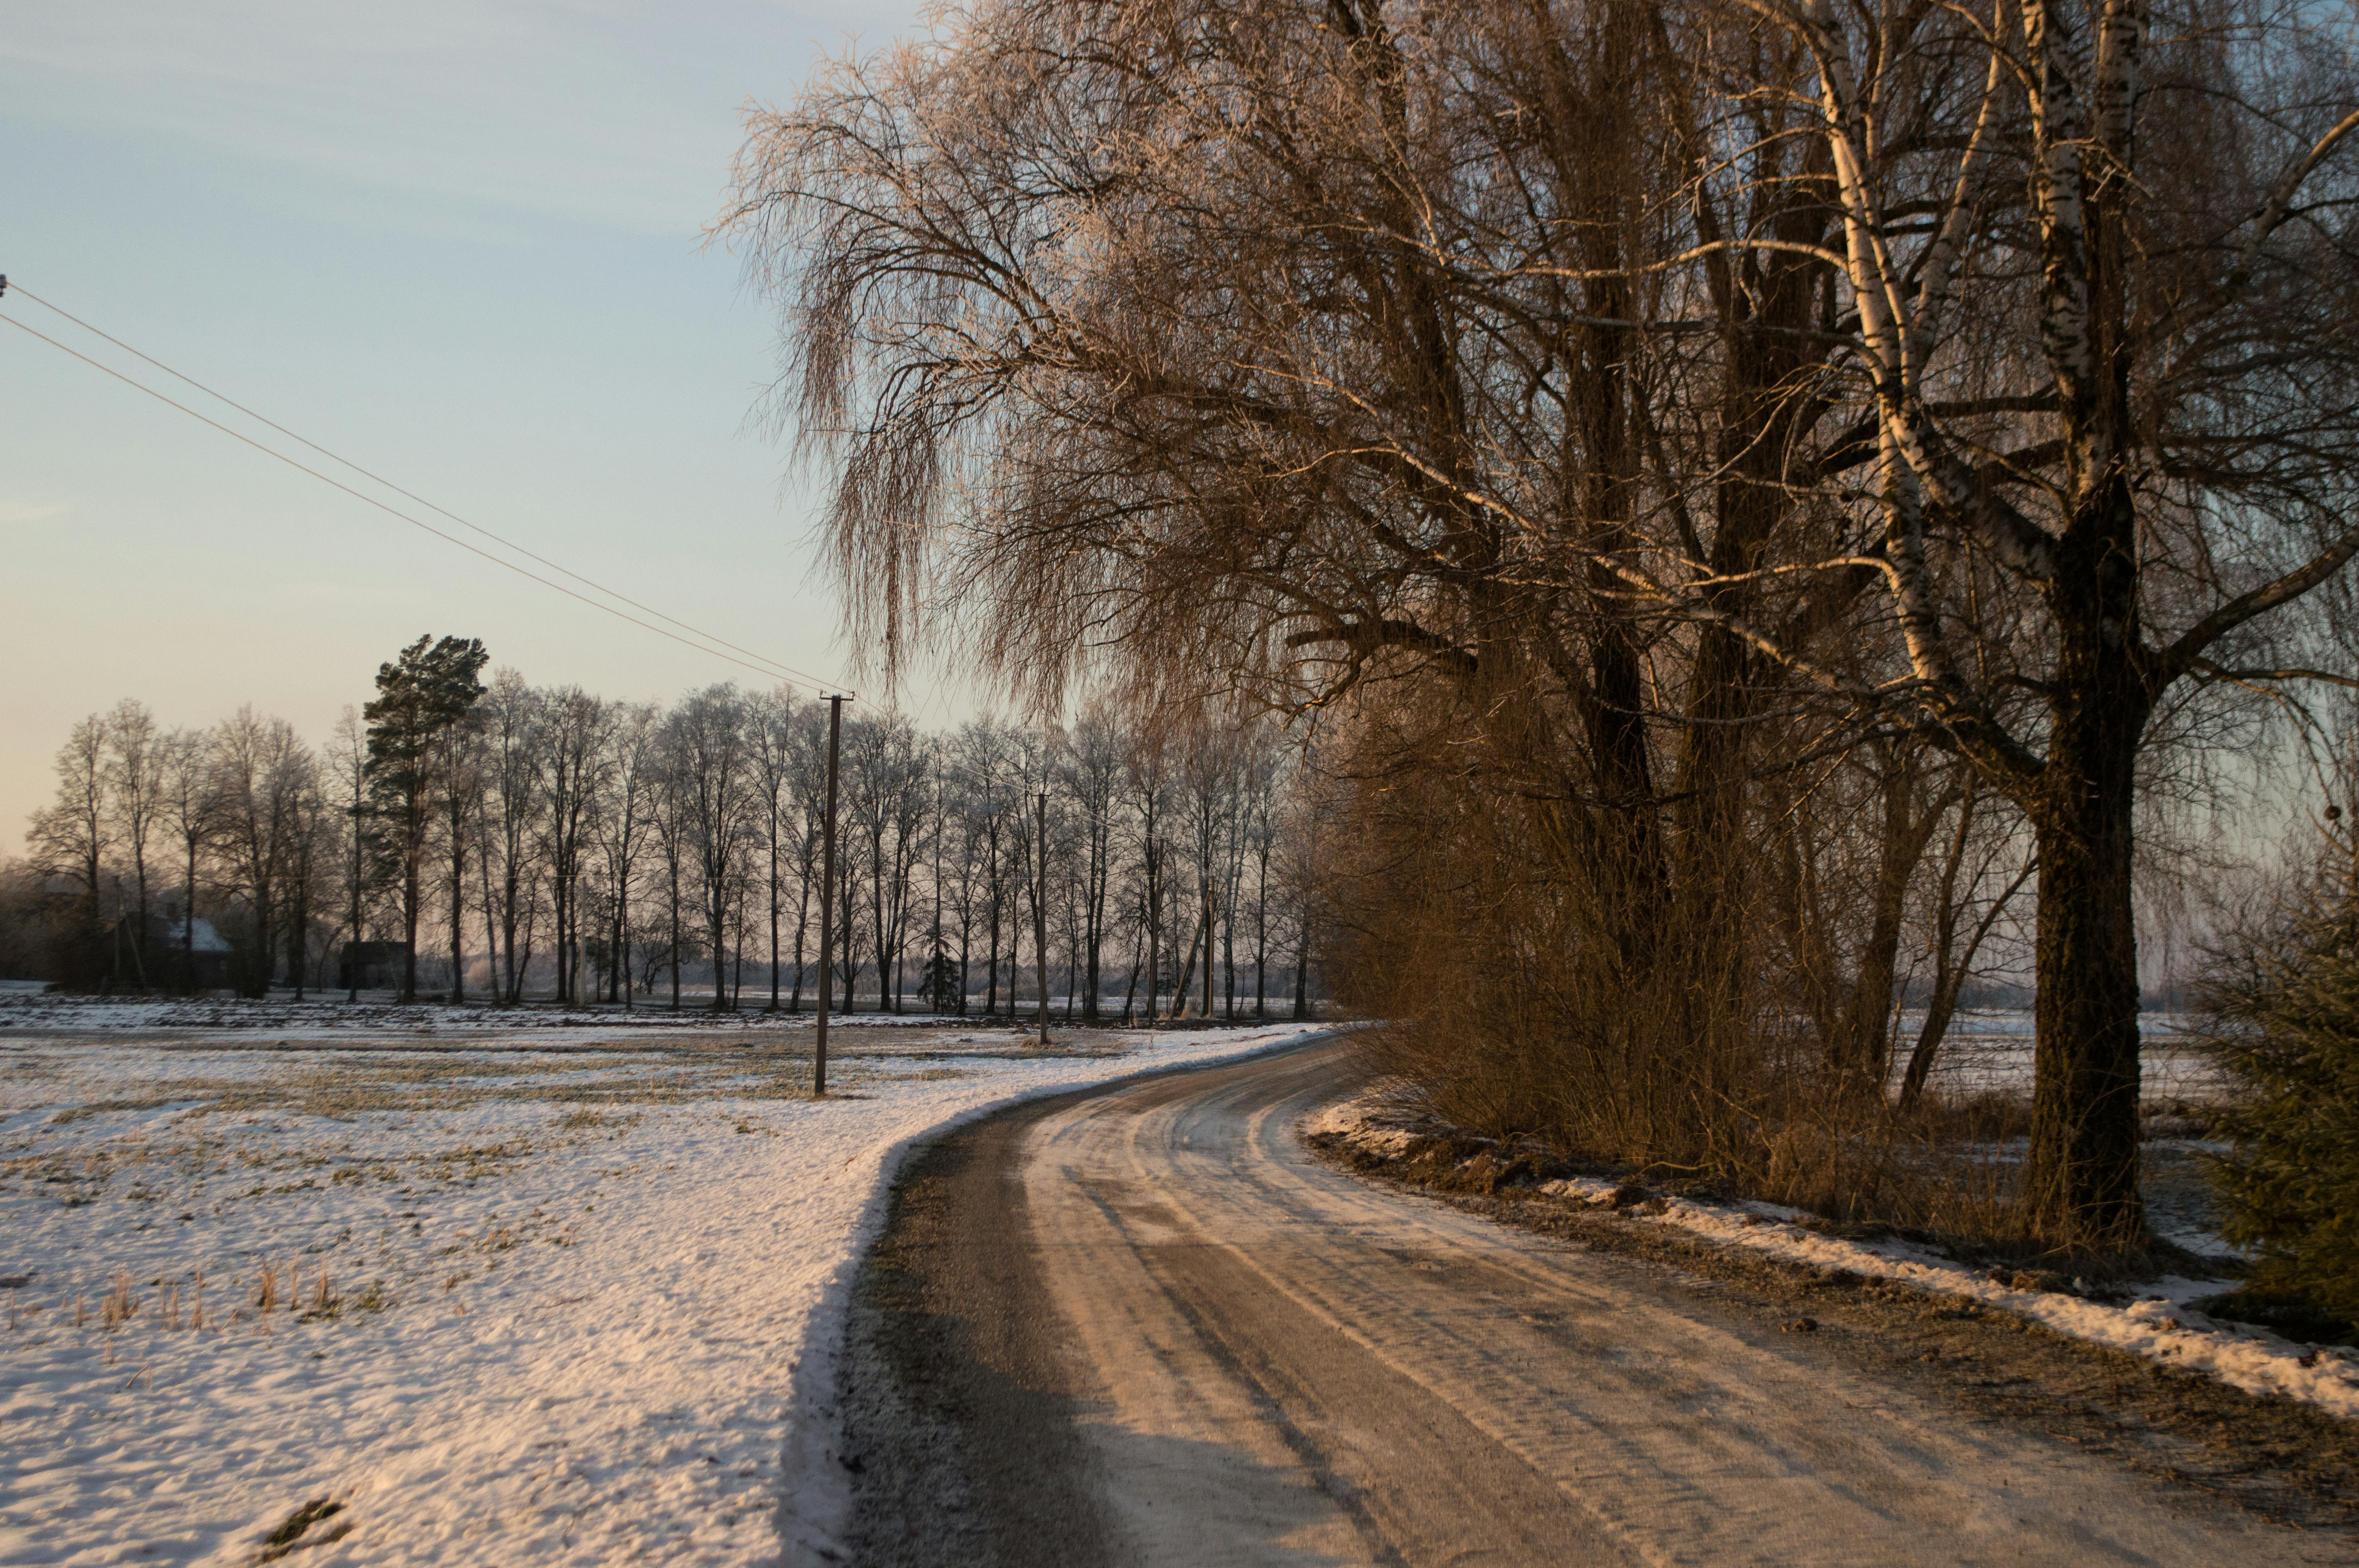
{"x": 2284, "y": 1006}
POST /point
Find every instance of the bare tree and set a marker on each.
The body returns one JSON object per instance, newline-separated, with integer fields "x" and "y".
{"x": 981, "y": 755}
{"x": 1150, "y": 777}
{"x": 771, "y": 724}
{"x": 261, "y": 769}
{"x": 71, "y": 835}
{"x": 623, "y": 820}
{"x": 2170, "y": 403}
{"x": 134, "y": 782}
{"x": 573, "y": 733}
{"x": 310, "y": 852}
{"x": 711, "y": 760}
{"x": 516, "y": 801}
{"x": 1667, "y": 399}
{"x": 807, "y": 790}
{"x": 458, "y": 769}
{"x": 1092, "y": 777}
{"x": 190, "y": 811}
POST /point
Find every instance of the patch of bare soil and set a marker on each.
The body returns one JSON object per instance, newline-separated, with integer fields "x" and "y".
{"x": 2282, "y": 1461}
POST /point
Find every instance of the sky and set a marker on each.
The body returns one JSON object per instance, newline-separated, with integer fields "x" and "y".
{"x": 458, "y": 241}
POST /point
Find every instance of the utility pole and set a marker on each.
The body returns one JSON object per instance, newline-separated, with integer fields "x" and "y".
{"x": 827, "y": 898}
{"x": 352, "y": 943}
{"x": 938, "y": 958}
{"x": 1040, "y": 911}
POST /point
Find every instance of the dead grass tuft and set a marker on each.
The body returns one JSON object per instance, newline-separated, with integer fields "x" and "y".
{"x": 325, "y": 1304}
{"x": 287, "y": 1537}
{"x": 586, "y": 1120}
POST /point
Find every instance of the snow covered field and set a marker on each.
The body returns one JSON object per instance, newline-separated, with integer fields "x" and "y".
{"x": 558, "y": 1294}
{"x": 1989, "y": 1049}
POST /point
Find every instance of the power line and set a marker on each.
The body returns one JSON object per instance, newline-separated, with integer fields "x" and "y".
{"x": 406, "y": 518}
{"x": 774, "y": 668}
{"x": 764, "y": 659}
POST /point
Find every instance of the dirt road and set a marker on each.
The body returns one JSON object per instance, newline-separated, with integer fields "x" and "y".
{"x": 1143, "y": 1325}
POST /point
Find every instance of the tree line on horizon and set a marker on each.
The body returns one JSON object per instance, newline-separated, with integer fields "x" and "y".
{"x": 574, "y": 849}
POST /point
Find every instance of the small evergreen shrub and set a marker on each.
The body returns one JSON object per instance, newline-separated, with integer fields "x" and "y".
{"x": 2286, "y": 1014}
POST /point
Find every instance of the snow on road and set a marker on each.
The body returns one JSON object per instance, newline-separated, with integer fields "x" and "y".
{"x": 555, "y": 1304}
{"x": 2160, "y": 1325}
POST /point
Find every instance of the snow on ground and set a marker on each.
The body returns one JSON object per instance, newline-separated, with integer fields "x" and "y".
{"x": 28, "y": 1011}
{"x": 571, "y": 1303}
{"x": 2160, "y": 1327}
{"x": 1989, "y": 1050}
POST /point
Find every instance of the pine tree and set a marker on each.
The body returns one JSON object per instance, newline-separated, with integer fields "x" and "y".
{"x": 2286, "y": 1017}
{"x": 421, "y": 695}
{"x": 938, "y": 986}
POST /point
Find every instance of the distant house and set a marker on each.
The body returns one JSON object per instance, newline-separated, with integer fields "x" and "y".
{"x": 171, "y": 940}
{"x": 371, "y": 965}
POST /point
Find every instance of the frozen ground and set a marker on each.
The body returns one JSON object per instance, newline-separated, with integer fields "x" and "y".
{"x": 27, "y": 1010}
{"x": 548, "y": 1299}
{"x": 2159, "y": 1323}
{"x": 1989, "y": 1049}
{"x": 1195, "y": 1343}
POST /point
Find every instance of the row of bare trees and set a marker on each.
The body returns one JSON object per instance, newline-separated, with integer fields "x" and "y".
{"x": 572, "y": 847}
{"x": 145, "y": 815}
{"x": 1700, "y": 456}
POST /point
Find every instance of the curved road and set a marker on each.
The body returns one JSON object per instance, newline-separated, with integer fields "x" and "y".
{"x": 1142, "y": 1325}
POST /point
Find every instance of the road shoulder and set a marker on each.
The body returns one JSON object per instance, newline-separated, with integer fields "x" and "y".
{"x": 2274, "y": 1458}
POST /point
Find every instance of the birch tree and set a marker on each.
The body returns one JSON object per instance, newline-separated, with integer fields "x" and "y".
{"x": 2101, "y": 301}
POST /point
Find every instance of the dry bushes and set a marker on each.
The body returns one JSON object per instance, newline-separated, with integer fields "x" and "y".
{"x": 1536, "y": 989}
{"x": 1541, "y": 986}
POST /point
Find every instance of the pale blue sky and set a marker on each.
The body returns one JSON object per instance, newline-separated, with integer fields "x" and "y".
{"x": 458, "y": 242}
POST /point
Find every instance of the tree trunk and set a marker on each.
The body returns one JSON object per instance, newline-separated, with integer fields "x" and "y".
{"x": 1094, "y": 913}
{"x": 1188, "y": 971}
{"x": 1302, "y": 967}
{"x": 621, "y": 956}
{"x": 1862, "y": 1045}
{"x": 1229, "y": 961}
{"x": 721, "y": 998}
{"x": 489, "y": 905}
{"x": 1261, "y": 941}
{"x": 298, "y": 933}
{"x": 991, "y": 964}
{"x": 1153, "y": 933}
{"x": 458, "y": 914}
{"x": 189, "y": 918}
{"x": 1130, "y": 991}
{"x": 1040, "y": 915}
{"x": 1206, "y": 1011}
{"x": 409, "y": 928}
{"x": 2082, "y": 1175}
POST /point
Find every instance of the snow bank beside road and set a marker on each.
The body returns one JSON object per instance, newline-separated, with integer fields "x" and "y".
{"x": 572, "y": 1292}
{"x": 2160, "y": 1328}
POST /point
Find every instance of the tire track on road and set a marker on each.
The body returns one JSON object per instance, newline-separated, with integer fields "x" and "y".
{"x": 1142, "y": 1325}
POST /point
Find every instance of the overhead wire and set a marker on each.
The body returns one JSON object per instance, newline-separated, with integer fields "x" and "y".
{"x": 761, "y": 663}
{"x": 396, "y": 512}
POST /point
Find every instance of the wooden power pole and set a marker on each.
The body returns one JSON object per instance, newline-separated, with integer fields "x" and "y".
{"x": 827, "y": 899}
